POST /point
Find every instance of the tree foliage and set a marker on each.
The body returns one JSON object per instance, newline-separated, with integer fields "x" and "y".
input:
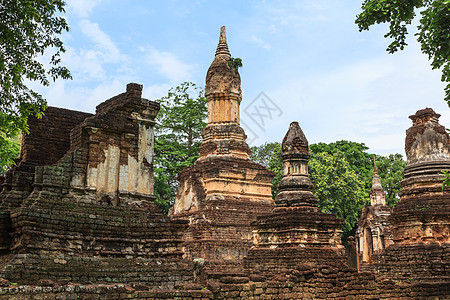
{"x": 337, "y": 187}
{"x": 391, "y": 169}
{"x": 355, "y": 154}
{"x": 235, "y": 63}
{"x": 27, "y": 29}
{"x": 446, "y": 179}
{"x": 9, "y": 150}
{"x": 269, "y": 155}
{"x": 433, "y": 31}
{"x": 181, "y": 120}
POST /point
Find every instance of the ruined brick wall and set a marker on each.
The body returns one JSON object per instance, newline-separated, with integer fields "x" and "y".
{"x": 117, "y": 145}
{"x": 428, "y": 262}
{"x": 66, "y": 229}
{"x": 307, "y": 284}
{"x": 46, "y": 143}
{"x": 49, "y": 137}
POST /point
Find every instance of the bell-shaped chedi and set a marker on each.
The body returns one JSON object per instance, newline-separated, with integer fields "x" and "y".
{"x": 224, "y": 191}
{"x": 421, "y": 219}
{"x": 422, "y": 214}
{"x": 296, "y": 232}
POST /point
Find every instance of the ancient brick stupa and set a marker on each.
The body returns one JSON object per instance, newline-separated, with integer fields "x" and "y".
{"x": 296, "y": 232}
{"x": 224, "y": 190}
{"x": 421, "y": 219}
{"x": 374, "y": 231}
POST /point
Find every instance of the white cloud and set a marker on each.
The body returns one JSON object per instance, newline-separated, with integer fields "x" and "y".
{"x": 83, "y": 65}
{"x": 82, "y": 8}
{"x": 168, "y": 65}
{"x": 89, "y": 62}
{"x": 386, "y": 144}
{"x": 260, "y": 42}
{"x": 104, "y": 48}
{"x": 296, "y": 14}
{"x": 156, "y": 91}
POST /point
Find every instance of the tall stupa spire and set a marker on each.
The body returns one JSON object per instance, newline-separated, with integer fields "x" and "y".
{"x": 223, "y": 135}
{"x": 223, "y": 86}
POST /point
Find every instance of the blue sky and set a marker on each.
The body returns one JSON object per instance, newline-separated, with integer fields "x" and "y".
{"x": 306, "y": 56}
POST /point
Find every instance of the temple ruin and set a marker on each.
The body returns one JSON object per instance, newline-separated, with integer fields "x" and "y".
{"x": 89, "y": 215}
{"x": 78, "y": 218}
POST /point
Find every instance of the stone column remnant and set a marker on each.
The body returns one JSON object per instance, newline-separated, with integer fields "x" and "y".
{"x": 295, "y": 188}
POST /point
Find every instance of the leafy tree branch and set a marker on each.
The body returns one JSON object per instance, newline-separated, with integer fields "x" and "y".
{"x": 27, "y": 30}
{"x": 433, "y": 31}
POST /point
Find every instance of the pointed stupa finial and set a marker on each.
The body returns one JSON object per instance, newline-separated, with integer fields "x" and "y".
{"x": 222, "y": 48}
{"x": 377, "y": 196}
{"x": 295, "y": 141}
{"x": 374, "y": 165}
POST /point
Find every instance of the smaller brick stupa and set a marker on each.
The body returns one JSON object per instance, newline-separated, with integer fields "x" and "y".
{"x": 421, "y": 219}
{"x": 296, "y": 232}
{"x": 374, "y": 231}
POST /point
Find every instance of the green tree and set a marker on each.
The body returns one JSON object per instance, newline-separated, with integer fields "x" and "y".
{"x": 390, "y": 168}
{"x": 433, "y": 31}
{"x": 9, "y": 150}
{"x": 263, "y": 154}
{"x": 27, "y": 29}
{"x": 337, "y": 187}
{"x": 269, "y": 155}
{"x": 355, "y": 154}
{"x": 181, "y": 120}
